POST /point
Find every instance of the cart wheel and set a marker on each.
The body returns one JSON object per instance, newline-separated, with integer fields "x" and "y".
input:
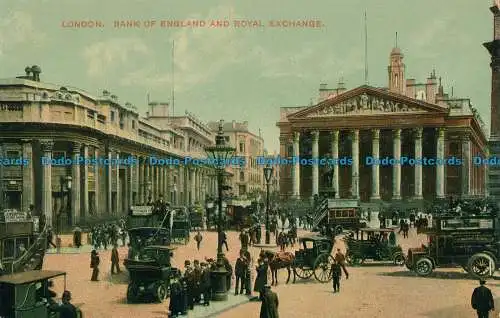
{"x": 301, "y": 272}
{"x": 481, "y": 265}
{"x": 322, "y": 268}
{"x": 398, "y": 259}
{"x": 131, "y": 293}
{"x": 424, "y": 267}
{"x": 161, "y": 293}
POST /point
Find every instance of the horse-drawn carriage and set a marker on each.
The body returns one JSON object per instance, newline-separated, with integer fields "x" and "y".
{"x": 314, "y": 258}
{"x": 375, "y": 245}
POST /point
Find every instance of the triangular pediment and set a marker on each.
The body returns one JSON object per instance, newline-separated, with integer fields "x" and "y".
{"x": 368, "y": 101}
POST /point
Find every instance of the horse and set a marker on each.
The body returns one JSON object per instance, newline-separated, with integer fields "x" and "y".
{"x": 277, "y": 261}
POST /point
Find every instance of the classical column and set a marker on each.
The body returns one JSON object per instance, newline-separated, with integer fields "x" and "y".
{"x": 315, "y": 167}
{"x": 185, "y": 179}
{"x": 131, "y": 169}
{"x": 396, "y": 169}
{"x": 97, "y": 189}
{"x": 118, "y": 203}
{"x": 85, "y": 184}
{"x": 192, "y": 180}
{"x": 76, "y": 183}
{"x": 440, "y": 168}
{"x": 466, "y": 165}
{"x": 147, "y": 180}
{"x": 109, "y": 183}
{"x": 162, "y": 182}
{"x": 375, "y": 168}
{"x": 137, "y": 183}
{"x": 355, "y": 164}
{"x": 418, "y": 167}
{"x": 157, "y": 182}
{"x": 47, "y": 147}
{"x": 28, "y": 178}
{"x": 296, "y": 165}
{"x": 141, "y": 181}
{"x": 335, "y": 157}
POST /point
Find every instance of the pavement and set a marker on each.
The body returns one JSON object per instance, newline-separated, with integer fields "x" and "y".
{"x": 217, "y": 307}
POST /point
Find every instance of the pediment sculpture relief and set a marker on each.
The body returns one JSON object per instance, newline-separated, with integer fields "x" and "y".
{"x": 365, "y": 104}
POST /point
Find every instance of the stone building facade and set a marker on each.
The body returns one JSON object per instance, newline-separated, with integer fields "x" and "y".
{"x": 248, "y": 178}
{"x": 404, "y": 120}
{"x": 41, "y": 121}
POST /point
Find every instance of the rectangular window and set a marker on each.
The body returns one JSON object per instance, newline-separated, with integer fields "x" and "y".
{"x": 112, "y": 116}
{"x": 133, "y": 124}
{"x": 242, "y": 147}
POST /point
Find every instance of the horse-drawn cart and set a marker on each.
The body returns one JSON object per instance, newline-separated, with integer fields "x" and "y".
{"x": 314, "y": 258}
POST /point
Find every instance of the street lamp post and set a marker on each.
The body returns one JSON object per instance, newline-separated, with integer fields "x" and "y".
{"x": 268, "y": 173}
{"x": 220, "y": 154}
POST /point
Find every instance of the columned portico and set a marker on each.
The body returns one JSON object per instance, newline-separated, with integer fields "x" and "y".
{"x": 296, "y": 166}
{"x": 418, "y": 167}
{"x": 315, "y": 167}
{"x": 355, "y": 163}
{"x": 375, "y": 168}
{"x": 335, "y": 156}
{"x": 396, "y": 175}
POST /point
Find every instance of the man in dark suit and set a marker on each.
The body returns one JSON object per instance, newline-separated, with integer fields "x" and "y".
{"x": 482, "y": 300}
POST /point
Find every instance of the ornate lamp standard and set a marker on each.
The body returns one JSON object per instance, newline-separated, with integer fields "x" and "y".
{"x": 220, "y": 154}
{"x": 268, "y": 173}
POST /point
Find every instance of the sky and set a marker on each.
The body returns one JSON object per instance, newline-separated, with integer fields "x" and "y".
{"x": 246, "y": 74}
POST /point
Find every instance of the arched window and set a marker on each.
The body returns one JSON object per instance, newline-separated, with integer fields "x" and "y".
{"x": 396, "y": 80}
{"x": 242, "y": 176}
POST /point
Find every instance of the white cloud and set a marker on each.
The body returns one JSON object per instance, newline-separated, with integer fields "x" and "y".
{"x": 200, "y": 55}
{"x": 103, "y": 56}
{"x": 18, "y": 28}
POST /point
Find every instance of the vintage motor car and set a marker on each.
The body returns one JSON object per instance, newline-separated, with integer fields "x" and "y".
{"x": 150, "y": 274}
{"x": 26, "y": 295}
{"x": 373, "y": 244}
